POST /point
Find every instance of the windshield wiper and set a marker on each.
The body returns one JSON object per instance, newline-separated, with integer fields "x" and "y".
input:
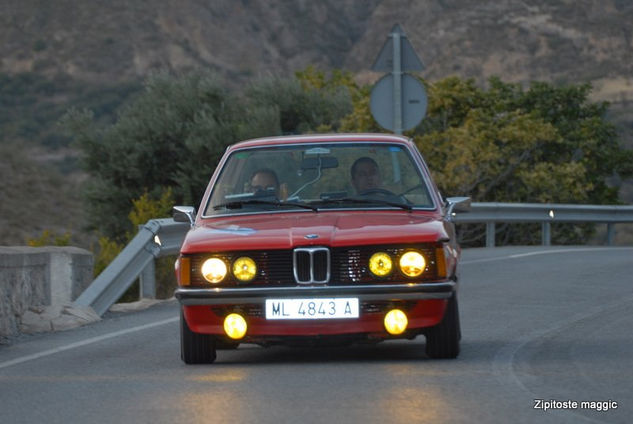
{"x": 239, "y": 203}
{"x": 364, "y": 201}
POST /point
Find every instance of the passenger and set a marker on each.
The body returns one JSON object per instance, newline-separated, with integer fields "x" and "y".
{"x": 365, "y": 175}
{"x": 264, "y": 180}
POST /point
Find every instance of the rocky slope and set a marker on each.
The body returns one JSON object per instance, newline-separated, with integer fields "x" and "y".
{"x": 566, "y": 41}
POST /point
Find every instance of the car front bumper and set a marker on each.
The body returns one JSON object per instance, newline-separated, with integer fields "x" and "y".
{"x": 374, "y": 292}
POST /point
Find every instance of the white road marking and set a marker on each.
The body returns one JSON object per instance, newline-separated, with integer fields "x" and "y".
{"x": 86, "y": 342}
{"x": 544, "y": 252}
{"x": 503, "y": 362}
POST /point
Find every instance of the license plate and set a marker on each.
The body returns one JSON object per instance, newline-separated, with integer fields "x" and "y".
{"x": 330, "y": 308}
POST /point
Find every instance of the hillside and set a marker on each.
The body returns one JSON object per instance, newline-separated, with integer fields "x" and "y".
{"x": 586, "y": 40}
{"x": 72, "y": 53}
{"x": 36, "y": 199}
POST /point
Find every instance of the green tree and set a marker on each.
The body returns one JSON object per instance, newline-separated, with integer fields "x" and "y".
{"x": 543, "y": 144}
{"x": 49, "y": 238}
{"x": 172, "y": 135}
{"x": 506, "y": 143}
{"x": 509, "y": 144}
{"x": 175, "y": 132}
{"x": 312, "y": 101}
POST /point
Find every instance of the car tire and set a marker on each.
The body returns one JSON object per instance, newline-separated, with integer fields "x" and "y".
{"x": 195, "y": 348}
{"x": 442, "y": 340}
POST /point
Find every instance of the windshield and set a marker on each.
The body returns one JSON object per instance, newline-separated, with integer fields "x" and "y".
{"x": 319, "y": 177}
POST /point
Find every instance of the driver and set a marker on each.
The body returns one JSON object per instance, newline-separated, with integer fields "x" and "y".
{"x": 365, "y": 174}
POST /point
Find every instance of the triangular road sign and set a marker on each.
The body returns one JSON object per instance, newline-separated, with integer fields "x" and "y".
{"x": 409, "y": 59}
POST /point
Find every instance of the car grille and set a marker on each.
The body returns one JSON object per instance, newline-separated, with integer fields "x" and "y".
{"x": 274, "y": 268}
{"x": 311, "y": 265}
{"x": 316, "y": 265}
{"x": 351, "y": 265}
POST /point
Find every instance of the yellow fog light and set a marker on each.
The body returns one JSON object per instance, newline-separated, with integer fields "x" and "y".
{"x": 380, "y": 264}
{"x": 244, "y": 268}
{"x": 412, "y": 264}
{"x": 396, "y": 322}
{"x": 235, "y": 326}
{"x": 214, "y": 270}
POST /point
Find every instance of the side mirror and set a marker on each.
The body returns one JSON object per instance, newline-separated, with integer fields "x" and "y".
{"x": 185, "y": 214}
{"x": 456, "y": 204}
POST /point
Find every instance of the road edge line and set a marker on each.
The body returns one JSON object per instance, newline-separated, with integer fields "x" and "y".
{"x": 86, "y": 342}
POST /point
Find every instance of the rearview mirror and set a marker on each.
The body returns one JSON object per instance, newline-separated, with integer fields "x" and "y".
{"x": 322, "y": 162}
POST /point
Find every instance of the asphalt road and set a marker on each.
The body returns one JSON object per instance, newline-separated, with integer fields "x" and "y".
{"x": 551, "y": 324}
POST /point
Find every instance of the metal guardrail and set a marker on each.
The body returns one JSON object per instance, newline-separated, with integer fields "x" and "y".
{"x": 161, "y": 237}
{"x": 546, "y": 214}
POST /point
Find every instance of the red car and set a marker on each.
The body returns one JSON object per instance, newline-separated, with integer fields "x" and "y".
{"x": 319, "y": 239}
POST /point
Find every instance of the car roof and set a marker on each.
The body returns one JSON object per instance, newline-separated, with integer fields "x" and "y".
{"x": 320, "y": 138}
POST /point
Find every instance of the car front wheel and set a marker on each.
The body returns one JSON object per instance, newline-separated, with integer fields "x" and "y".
{"x": 195, "y": 348}
{"x": 442, "y": 340}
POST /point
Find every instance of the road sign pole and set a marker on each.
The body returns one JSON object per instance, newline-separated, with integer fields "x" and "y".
{"x": 397, "y": 83}
{"x": 398, "y": 100}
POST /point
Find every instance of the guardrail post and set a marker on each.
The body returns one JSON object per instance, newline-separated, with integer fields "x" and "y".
{"x": 490, "y": 234}
{"x": 147, "y": 280}
{"x": 546, "y": 234}
{"x": 610, "y": 234}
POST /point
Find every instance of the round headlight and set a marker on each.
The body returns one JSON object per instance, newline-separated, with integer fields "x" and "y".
{"x": 412, "y": 264}
{"x": 380, "y": 264}
{"x": 214, "y": 270}
{"x": 244, "y": 269}
{"x": 396, "y": 322}
{"x": 235, "y": 326}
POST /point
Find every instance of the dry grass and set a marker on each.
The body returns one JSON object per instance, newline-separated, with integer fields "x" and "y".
{"x": 35, "y": 197}
{"x": 618, "y": 89}
{"x": 623, "y": 235}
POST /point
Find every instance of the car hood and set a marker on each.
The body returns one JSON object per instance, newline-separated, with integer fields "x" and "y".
{"x": 334, "y": 229}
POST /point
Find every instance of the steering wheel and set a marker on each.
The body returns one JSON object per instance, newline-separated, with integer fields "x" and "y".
{"x": 381, "y": 191}
{"x": 409, "y": 190}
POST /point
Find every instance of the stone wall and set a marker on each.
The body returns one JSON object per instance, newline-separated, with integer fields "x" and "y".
{"x": 36, "y": 280}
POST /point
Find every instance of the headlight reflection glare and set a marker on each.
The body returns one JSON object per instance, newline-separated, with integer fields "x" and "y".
{"x": 214, "y": 270}
{"x": 412, "y": 264}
